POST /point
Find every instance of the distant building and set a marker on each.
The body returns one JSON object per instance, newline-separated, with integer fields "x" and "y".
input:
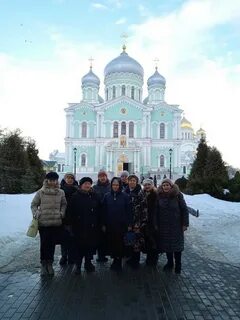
{"x": 49, "y": 165}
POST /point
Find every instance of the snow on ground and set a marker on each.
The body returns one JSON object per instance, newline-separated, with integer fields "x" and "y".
{"x": 15, "y": 217}
{"x": 215, "y": 233}
{"x": 218, "y": 227}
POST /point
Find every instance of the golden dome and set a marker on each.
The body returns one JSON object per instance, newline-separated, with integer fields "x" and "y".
{"x": 201, "y": 131}
{"x": 185, "y": 124}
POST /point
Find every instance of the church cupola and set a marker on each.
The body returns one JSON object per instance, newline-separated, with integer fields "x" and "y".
{"x": 123, "y": 76}
{"x": 90, "y": 87}
{"x": 156, "y": 87}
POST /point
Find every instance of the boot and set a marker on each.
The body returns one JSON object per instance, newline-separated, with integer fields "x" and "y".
{"x": 50, "y": 268}
{"x": 101, "y": 258}
{"x": 88, "y": 266}
{"x": 169, "y": 265}
{"x": 77, "y": 269}
{"x": 133, "y": 262}
{"x": 117, "y": 264}
{"x": 178, "y": 262}
{"x": 44, "y": 270}
{"x": 63, "y": 261}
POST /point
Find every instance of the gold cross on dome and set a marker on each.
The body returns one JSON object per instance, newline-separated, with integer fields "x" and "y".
{"x": 124, "y": 36}
{"x": 156, "y": 60}
{"x": 91, "y": 61}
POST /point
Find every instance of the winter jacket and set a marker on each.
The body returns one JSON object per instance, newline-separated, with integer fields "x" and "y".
{"x": 117, "y": 212}
{"x": 139, "y": 217}
{"x": 84, "y": 214}
{"x": 102, "y": 188}
{"x": 148, "y": 207}
{"x": 69, "y": 190}
{"x": 49, "y": 205}
{"x": 172, "y": 214}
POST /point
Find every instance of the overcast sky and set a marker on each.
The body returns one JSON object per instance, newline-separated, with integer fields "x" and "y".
{"x": 45, "y": 46}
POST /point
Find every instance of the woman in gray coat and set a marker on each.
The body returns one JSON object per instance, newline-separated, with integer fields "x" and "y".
{"x": 172, "y": 220}
{"x": 48, "y": 206}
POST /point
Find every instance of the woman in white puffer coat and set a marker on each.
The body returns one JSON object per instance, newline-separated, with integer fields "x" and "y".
{"x": 48, "y": 206}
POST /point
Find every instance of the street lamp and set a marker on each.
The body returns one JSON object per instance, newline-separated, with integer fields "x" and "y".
{"x": 170, "y": 154}
{"x": 75, "y": 160}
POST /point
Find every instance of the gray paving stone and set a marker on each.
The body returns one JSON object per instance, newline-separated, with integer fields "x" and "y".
{"x": 205, "y": 290}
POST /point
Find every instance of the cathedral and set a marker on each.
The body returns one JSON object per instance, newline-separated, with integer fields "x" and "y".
{"x": 123, "y": 131}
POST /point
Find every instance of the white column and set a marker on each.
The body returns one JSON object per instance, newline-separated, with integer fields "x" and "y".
{"x": 134, "y": 160}
{"x": 111, "y": 159}
{"x": 108, "y": 168}
{"x": 96, "y": 155}
{"x": 138, "y": 159}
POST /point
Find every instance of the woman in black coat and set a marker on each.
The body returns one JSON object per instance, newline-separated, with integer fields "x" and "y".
{"x": 69, "y": 185}
{"x": 173, "y": 220}
{"x": 84, "y": 213}
{"x": 117, "y": 220}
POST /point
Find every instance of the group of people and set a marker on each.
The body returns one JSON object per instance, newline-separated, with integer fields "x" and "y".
{"x": 118, "y": 218}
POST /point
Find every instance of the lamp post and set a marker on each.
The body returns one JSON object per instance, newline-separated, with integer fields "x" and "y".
{"x": 75, "y": 160}
{"x": 170, "y": 167}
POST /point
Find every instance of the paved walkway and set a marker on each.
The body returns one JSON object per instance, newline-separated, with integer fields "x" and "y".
{"x": 205, "y": 290}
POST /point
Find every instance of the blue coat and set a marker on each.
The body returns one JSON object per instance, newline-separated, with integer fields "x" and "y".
{"x": 117, "y": 212}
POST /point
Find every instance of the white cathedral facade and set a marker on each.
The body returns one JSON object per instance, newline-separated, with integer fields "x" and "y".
{"x": 123, "y": 131}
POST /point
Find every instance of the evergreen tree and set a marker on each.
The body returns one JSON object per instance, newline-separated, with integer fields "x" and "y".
{"x": 182, "y": 183}
{"x": 215, "y": 174}
{"x": 234, "y": 187}
{"x": 35, "y": 165}
{"x": 196, "y": 177}
{"x": 12, "y": 162}
{"x": 20, "y": 167}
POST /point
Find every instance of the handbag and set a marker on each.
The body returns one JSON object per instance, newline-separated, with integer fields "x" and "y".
{"x": 33, "y": 228}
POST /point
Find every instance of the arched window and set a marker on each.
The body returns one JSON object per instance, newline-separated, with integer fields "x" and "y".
{"x": 89, "y": 93}
{"x": 123, "y": 128}
{"x": 107, "y": 94}
{"x": 162, "y": 131}
{"x": 139, "y": 94}
{"x": 83, "y": 160}
{"x": 182, "y": 135}
{"x": 114, "y": 92}
{"x": 115, "y": 129}
{"x": 123, "y": 90}
{"x": 84, "y": 130}
{"x": 132, "y": 92}
{"x": 162, "y": 161}
{"x": 157, "y": 94}
{"x": 131, "y": 129}
{"x": 188, "y": 135}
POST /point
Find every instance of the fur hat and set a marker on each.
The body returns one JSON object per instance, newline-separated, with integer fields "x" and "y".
{"x": 167, "y": 181}
{"x": 52, "y": 175}
{"x": 85, "y": 179}
{"x": 102, "y": 173}
{"x": 133, "y": 176}
{"x": 124, "y": 173}
{"x": 69, "y": 174}
{"x": 147, "y": 181}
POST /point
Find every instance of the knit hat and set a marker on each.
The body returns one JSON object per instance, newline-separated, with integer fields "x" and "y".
{"x": 133, "y": 176}
{"x": 167, "y": 181}
{"x": 124, "y": 173}
{"x": 147, "y": 181}
{"x": 102, "y": 173}
{"x": 52, "y": 175}
{"x": 85, "y": 179}
{"x": 69, "y": 174}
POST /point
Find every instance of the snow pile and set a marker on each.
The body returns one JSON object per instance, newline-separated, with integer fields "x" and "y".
{"x": 15, "y": 215}
{"x": 218, "y": 225}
